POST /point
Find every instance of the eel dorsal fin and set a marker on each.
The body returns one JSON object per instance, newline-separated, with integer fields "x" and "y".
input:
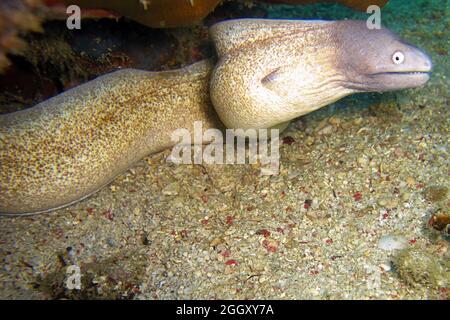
{"x": 231, "y": 34}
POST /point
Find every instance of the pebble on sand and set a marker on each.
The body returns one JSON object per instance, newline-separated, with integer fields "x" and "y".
{"x": 392, "y": 242}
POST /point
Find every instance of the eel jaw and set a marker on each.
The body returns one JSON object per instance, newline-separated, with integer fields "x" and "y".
{"x": 399, "y": 80}
{"x": 389, "y": 80}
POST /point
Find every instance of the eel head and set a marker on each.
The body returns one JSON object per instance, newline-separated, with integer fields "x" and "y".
{"x": 378, "y": 60}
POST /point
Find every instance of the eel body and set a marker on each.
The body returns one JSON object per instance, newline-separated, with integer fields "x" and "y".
{"x": 68, "y": 147}
{"x": 268, "y": 72}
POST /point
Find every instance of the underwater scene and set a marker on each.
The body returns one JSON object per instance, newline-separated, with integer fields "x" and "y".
{"x": 238, "y": 150}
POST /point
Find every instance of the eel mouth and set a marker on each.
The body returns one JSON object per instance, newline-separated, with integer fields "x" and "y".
{"x": 397, "y": 80}
{"x": 404, "y": 73}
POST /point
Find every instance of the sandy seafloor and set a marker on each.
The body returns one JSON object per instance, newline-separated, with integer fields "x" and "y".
{"x": 368, "y": 166}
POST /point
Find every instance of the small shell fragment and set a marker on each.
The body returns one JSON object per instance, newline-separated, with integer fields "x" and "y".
{"x": 392, "y": 242}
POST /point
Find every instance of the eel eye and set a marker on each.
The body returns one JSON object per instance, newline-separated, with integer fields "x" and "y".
{"x": 398, "y": 57}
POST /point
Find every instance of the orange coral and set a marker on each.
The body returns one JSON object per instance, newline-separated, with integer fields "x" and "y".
{"x": 155, "y": 13}
{"x": 363, "y": 5}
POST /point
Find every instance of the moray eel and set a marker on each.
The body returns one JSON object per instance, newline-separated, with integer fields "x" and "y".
{"x": 267, "y": 73}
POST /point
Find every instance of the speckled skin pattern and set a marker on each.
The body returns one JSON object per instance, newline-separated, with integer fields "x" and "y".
{"x": 68, "y": 147}
{"x": 309, "y": 69}
{"x": 269, "y": 72}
